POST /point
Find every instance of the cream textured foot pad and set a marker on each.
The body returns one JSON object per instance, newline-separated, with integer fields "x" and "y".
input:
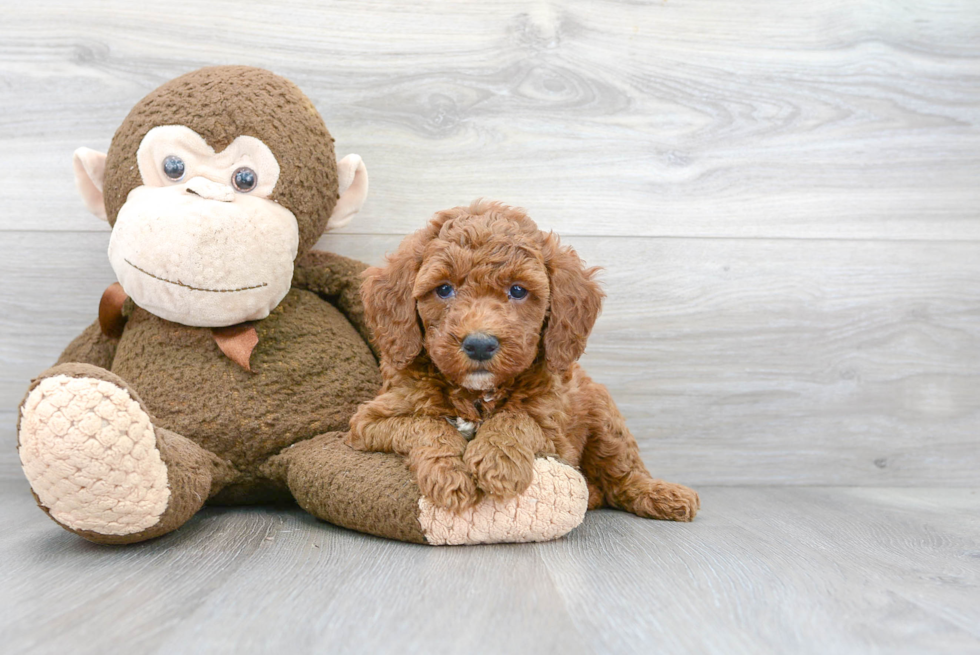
{"x": 90, "y": 454}
{"x": 552, "y": 506}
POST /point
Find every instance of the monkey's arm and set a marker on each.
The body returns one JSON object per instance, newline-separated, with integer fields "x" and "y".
{"x": 91, "y": 347}
{"x": 338, "y": 280}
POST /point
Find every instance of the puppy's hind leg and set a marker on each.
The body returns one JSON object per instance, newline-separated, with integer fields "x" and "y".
{"x": 617, "y": 477}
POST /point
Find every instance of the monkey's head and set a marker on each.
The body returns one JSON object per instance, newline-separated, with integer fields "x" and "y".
{"x": 214, "y": 185}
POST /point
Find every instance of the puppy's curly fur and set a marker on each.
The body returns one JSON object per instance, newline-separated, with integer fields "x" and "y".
{"x": 455, "y": 278}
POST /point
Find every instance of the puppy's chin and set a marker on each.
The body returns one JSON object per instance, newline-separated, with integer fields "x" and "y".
{"x": 480, "y": 381}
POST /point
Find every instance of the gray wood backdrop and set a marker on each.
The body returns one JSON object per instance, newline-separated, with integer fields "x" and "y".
{"x": 784, "y": 195}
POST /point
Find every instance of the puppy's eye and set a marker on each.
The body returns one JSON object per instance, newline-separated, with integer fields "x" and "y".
{"x": 445, "y": 291}
{"x": 517, "y": 292}
{"x": 173, "y": 167}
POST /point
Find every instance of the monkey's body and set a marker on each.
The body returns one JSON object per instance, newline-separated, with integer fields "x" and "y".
{"x": 216, "y": 186}
{"x": 310, "y": 370}
{"x": 225, "y": 433}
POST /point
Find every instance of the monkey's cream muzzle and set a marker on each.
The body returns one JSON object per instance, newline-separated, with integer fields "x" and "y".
{"x": 189, "y": 248}
{"x": 205, "y": 188}
{"x": 203, "y": 261}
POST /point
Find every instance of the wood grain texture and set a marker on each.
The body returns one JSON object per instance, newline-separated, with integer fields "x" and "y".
{"x": 734, "y": 361}
{"x": 680, "y": 118}
{"x": 762, "y": 570}
{"x": 784, "y": 197}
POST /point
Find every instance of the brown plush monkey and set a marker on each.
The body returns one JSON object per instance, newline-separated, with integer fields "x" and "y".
{"x": 227, "y": 365}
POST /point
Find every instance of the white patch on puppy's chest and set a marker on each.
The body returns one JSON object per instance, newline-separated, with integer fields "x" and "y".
{"x": 466, "y": 428}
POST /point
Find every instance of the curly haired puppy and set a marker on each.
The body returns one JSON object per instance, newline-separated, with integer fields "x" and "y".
{"x": 479, "y": 319}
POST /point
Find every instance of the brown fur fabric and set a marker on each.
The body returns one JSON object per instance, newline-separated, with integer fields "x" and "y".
{"x": 310, "y": 370}
{"x": 529, "y": 398}
{"x": 225, "y": 434}
{"x": 255, "y": 103}
{"x": 368, "y": 492}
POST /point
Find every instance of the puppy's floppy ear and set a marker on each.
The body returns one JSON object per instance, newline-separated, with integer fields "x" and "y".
{"x": 389, "y": 307}
{"x": 576, "y": 299}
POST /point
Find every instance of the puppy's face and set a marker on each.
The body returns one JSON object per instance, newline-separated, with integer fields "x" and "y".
{"x": 482, "y": 293}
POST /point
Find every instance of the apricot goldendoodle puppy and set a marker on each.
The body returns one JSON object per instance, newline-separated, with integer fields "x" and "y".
{"x": 479, "y": 319}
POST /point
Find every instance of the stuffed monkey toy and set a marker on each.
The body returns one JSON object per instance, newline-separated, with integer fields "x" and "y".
{"x": 227, "y": 361}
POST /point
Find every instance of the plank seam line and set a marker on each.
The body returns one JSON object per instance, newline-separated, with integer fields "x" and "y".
{"x": 652, "y": 237}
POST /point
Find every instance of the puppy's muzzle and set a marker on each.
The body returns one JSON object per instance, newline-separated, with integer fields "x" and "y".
{"x": 480, "y": 347}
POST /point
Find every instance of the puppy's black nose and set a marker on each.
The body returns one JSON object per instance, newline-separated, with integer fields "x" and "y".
{"x": 480, "y": 347}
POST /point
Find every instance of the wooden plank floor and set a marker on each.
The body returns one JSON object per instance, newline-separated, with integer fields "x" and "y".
{"x": 762, "y": 570}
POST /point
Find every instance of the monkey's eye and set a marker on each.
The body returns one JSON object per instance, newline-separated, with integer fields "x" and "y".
{"x": 173, "y": 167}
{"x": 445, "y": 291}
{"x": 517, "y": 292}
{"x": 244, "y": 179}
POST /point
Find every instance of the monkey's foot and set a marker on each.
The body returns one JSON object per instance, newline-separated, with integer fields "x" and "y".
{"x": 551, "y": 507}
{"x": 90, "y": 453}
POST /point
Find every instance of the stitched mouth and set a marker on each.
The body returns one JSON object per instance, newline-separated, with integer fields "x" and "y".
{"x": 178, "y": 283}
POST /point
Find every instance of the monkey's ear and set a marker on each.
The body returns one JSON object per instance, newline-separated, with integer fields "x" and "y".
{"x": 352, "y": 180}
{"x": 89, "y": 166}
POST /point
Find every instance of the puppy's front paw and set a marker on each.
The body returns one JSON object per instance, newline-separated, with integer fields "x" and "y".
{"x": 446, "y": 483}
{"x": 355, "y": 439}
{"x": 499, "y": 471}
